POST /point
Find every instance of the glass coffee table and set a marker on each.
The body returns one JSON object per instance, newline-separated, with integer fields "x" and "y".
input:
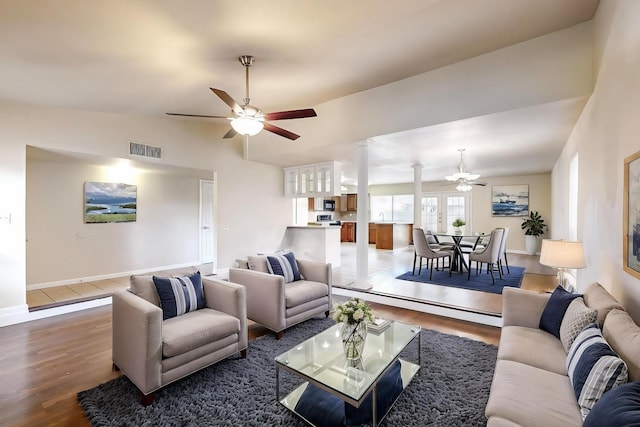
{"x": 320, "y": 361}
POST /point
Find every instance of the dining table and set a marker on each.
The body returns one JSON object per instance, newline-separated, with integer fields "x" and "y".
{"x": 458, "y": 263}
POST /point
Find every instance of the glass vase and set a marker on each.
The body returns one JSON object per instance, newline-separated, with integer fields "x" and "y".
{"x": 353, "y": 339}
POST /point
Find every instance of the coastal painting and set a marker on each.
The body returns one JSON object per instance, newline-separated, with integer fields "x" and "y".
{"x": 631, "y": 215}
{"x": 510, "y": 200}
{"x": 109, "y": 202}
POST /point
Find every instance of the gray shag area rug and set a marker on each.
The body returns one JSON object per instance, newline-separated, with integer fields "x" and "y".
{"x": 451, "y": 388}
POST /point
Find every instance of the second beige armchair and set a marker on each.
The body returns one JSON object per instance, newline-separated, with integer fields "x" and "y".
{"x": 278, "y": 305}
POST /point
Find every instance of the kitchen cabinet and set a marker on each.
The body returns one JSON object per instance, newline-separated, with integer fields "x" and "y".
{"x": 352, "y": 202}
{"x": 372, "y": 233}
{"x": 315, "y": 180}
{"x": 348, "y": 232}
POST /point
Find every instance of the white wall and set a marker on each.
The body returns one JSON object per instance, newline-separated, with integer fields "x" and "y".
{"x": 605, "y": 134}
{"x": 166, "y": 231}
{"x": 250, "y": 202}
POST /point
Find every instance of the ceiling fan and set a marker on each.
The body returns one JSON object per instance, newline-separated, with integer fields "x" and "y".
{"x": 464, "y": 179}
{"x": 248, "y": 120}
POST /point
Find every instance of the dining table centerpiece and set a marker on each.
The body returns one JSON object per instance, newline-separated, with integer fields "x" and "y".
{"x": 354, "y": 315}
{"x": 457, "y": 225}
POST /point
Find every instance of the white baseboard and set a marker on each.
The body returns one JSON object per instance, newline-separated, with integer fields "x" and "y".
{"x": 423, "y": 307}
{"x": 24, "y": 315}
{"x": 66, "y": 282}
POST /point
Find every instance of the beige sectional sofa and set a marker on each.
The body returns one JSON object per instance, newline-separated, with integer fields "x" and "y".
{"x": 530, "y": 385}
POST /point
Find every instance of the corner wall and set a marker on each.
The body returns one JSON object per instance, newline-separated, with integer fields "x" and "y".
{"x": 605, "y": 134}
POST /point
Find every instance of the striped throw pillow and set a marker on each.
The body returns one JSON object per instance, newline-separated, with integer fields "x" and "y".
{"x": 593, "y": 368}
{"x": 179, "y": 295}
{"x": 285, "y": 265}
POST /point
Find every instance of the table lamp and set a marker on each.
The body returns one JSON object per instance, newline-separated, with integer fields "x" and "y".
{"x": 563, "y": 255}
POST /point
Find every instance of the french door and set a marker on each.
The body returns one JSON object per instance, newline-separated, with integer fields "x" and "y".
{"x": 439, "y": 210}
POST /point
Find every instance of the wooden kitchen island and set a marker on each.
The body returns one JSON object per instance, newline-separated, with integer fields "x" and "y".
{"x": 391, "y": 235}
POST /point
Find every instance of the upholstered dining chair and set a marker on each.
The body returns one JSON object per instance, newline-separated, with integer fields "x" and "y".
{"x": 503, "y": 252}
{"x": 423, "y": 250}
{"x": 490, "y": 254}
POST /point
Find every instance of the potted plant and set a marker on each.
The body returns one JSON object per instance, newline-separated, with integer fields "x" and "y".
{"x": 534, "y": 227}
{"x": 457, "y": 224}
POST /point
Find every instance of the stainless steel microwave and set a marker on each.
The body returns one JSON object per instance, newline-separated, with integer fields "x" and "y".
{"x": 329, "y": 205}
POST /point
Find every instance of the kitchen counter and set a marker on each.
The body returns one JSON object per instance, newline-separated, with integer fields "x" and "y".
{"x": 393, "y": 235}
{"x": 314, "y": 242}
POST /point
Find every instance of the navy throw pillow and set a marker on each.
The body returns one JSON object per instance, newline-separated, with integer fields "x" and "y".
{"x": 320, "y": 408}
{"x": 179, "y": 295}
{"x": 553, "y": 312}
{"x": 388, "y": 389}
{"x": 285, "y": 265}
{"x": 616, "y": 408}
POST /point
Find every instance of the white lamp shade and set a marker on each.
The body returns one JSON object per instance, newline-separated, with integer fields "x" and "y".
{"x": 562, "y": 254}
{"x": 247, "y": 126}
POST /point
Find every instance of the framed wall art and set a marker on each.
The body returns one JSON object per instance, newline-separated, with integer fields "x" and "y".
{"x": 510, "y": 200}
{"x": 110, "y": 202}
{"x": 631, "y": 215}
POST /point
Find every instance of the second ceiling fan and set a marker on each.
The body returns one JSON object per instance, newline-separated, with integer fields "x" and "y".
{"x": 248, "y": 120}
{"x": 464, "y": 179}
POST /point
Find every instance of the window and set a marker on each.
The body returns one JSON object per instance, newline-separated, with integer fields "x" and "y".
{"x": 439, "y": 210}
{"x": 392, "y": 208}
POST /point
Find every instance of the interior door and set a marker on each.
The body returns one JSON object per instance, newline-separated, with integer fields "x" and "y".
{"x": 439, "y": 210}
{"x": 207, "y": 230}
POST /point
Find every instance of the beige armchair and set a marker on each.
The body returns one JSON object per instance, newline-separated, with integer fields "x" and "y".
{"x": 153, "y": 352}
{"x": 278, "y": 305}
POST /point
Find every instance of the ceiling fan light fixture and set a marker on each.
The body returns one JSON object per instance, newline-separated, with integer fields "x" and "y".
{"x": 464, "y": 187}
{"x": 247, "y": 126}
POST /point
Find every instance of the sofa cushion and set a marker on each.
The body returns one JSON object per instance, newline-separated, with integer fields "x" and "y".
{"x": 194, "y": 329}
{"x": 179, "y": 295}
{"x": 619, "y": 407}
{"x": 284, "y": 265}
{"x": 532, "y": 347}
{"x": 553, "y": 312}
{"x": 142, "y": 286}
{"x": 302, "y": 291}
{"x": 593, "y": 368}
{"x": 522, "y": 393}
{"x": 623, "y": 335}
{"x": 595, "y": 296}
{"x": 577, "y": 316}
{"x": 258, "y": 263}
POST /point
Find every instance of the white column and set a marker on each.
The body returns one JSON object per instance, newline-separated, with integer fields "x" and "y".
{"x": 362, "y": 218}
{"x": 417, "y": 195}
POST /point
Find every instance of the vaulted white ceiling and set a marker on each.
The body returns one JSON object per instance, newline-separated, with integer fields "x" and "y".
{"x": 149, "y": 58}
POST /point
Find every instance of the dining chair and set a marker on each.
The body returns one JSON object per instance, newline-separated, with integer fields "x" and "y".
{"x": 503, "y": 252}
{"x": 490, "y": 254}
{"x": 423, "y": 250}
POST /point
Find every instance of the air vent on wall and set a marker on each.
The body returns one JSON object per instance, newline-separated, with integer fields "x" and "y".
{"x": 145, "y": 150}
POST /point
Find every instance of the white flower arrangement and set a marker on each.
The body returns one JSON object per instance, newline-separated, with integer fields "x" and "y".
{"x": 353, "y": 311}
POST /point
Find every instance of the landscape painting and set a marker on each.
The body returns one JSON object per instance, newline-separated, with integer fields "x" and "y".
{"x": 109, "y": 202}
{"x": 510, "y": 200}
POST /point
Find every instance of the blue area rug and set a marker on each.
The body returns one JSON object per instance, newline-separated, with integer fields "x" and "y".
{"x": 481, "y": 282}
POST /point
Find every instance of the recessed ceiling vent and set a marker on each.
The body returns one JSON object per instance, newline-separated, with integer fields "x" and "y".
{"x": 145, "y": 150}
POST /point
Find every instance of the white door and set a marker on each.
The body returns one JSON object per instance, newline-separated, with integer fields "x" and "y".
{"x": 439, "y": 210}
{"x": 207, "y": 231}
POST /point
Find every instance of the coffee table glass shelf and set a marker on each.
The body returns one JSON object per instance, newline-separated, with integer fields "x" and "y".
{"x": 321, "y": 361}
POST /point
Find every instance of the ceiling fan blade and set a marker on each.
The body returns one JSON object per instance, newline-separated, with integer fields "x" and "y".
{"x": 280, "y": 131}
{"x": 482, "y": 184}
{"x": 293, "y": 114}
{"x": 227, "y": 99}
{"x": 196, "y": 115}
{"x": 232, "y": 132}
